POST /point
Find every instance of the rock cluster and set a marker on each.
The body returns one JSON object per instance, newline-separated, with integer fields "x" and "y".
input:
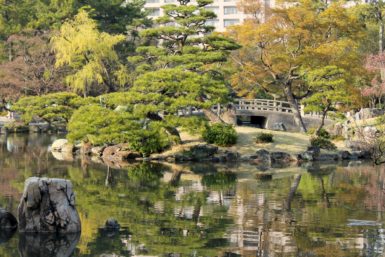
{"x": 120, "y": 155}
{"x": 198, "y": 153}
{"x": 48, "y": 205}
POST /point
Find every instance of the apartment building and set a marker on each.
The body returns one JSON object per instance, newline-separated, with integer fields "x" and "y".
{"x": 226, "y": 11}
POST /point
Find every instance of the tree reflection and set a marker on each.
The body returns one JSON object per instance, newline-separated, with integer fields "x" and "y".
{"x": 208, "y": 210}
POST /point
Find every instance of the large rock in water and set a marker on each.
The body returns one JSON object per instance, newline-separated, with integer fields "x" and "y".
{"x": 62, "y": 145}
{"x": 48, "y": 205}
{"x": 48, "y": 245}
{"x": 118, "y": 153}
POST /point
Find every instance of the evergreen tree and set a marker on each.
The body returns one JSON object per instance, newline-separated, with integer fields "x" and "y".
{"x": 180, "y": 66}
{"x": 113, "y": 16}
{"x": 330, "y": 87}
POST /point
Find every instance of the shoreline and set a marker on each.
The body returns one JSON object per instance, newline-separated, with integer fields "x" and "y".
{"x": 193, "y": 150}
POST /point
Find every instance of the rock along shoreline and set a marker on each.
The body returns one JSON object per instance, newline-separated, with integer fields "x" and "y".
{"x": 202, "y": 152}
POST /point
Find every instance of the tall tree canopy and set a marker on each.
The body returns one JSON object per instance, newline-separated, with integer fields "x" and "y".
{"x": 17, "y": 15}
{"x": 294, "y": 40}
{"x": 180, "y": 64}
{"x": 26, "y": 23}
{"x": 90, "y": 54}
{"x": 114, "y": 16}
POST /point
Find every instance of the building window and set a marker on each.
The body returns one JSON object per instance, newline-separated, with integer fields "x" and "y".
{"x": 229, "y": 22}
{"x": 152, "y": 1}
{"x": 153, "y": 11}
{"x": 230, "y": 10}
{"x": 212, "y": 22}
{"x": 214, "y": 9}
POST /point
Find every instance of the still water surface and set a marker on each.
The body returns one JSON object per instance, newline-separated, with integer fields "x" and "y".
{"x": 200, "y": 209}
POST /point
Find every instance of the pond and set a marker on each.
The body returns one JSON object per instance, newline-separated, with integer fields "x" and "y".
{"x": 200, "y": 209}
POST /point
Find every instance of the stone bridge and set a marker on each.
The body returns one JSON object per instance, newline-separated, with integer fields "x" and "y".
{"x": 272, "y": 114}
{"x": 268, "y": 114}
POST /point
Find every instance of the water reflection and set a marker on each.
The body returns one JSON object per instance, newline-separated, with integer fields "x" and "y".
{"x": 203, "y": 210}
{"x": 6, "y": 235}
{"x": 47, "y": 245}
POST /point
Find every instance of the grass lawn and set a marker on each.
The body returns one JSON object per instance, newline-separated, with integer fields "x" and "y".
{"x": 289, "y": 142}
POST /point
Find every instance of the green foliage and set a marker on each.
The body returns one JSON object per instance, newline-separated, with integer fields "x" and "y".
{"x": 323, "y": 140}
{"x": 113, "y": 16}
{"x": 264, "y": 138}
{"x": 89, "y": 53}
{"x": 17, "y": 15}
{"x": 220, "y": 134}
{"x": 323, "y": 143}
{"x": 100, "y": 126}
{"x": 323, "y": 133}
{"x": 329, "y": 85}
{"x": 183, "y": 69}
{"x": 192, "y": 124}
{"x": 51, "y": 107}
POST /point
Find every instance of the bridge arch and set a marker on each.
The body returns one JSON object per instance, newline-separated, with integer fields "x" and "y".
{"x": 258, "y": 121}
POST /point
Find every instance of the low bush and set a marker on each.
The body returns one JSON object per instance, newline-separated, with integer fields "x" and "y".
{"x": 322, "y": 143}
{"x": 102, "y": 126}
{"x": 220, "y": 134}
{"x": 323, "y": 133}
{"x": 264, "y": 138}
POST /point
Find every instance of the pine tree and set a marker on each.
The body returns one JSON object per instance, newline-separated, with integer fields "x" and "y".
{"x": 180, "y": 64}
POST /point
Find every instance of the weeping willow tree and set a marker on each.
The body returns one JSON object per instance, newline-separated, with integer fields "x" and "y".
{"x": 90, "y": 55}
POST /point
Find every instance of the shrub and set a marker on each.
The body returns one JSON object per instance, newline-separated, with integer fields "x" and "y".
{"x": 322, "y": 143}
{"x": 100, "y": 126}
{"x": 51, "y": 107}
{"x": 264, "y": 138}
{"x": 323, "y": 133}
{"x": 220, "y": 134}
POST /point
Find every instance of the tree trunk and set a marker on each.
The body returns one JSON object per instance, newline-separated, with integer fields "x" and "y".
{"x": 293, "y": 189}
{"x": 294, "y": 106}
{"x": 325, "y": 111}
{"x": 324, "y": 193}
{"x": 197, "y": 212}
{"x": 172, "y": 131}
{"x": 175, "y": 177}
{"x": 10, "y": 55}
{"x": 381, "y": 36}
{"x": 212, "y": 116}
{"x": 381, "y": 44}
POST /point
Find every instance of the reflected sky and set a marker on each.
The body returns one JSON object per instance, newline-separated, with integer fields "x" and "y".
{"x": 200, "y": 209}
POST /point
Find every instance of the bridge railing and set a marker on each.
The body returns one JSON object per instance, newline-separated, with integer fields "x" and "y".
{"x": 254, "y": 105}
{"x": 262, "y": 105}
